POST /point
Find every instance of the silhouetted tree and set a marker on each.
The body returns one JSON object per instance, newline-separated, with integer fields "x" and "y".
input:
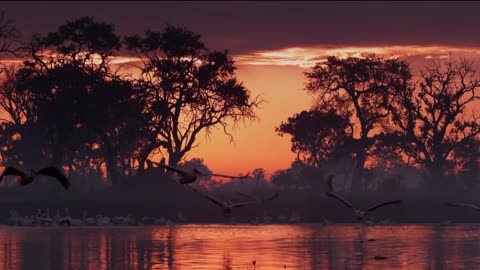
{"x": 316, "y": 135}
{"x": 9, "y": 44}
{"x": 432, "y": 120}
{"x": 300, "y": 175}
{"x": 189, "y": 89}
{"x": 357, "y": 88}
{"x": 113, "y": 111}
{"x": 70, "y": 95}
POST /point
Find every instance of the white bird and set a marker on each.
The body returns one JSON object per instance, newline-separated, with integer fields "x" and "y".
{"x": 72, "y": 221}
{"x": 190, "y": 177}
{"x": 146, "y": 220}
{"x": 28, "y": 179}
{"x": 90, "y": 221}
{"x": 27, "y": 221}
{"x": 359, "y": 214}
{"x": 47, "y": 220}
{"x": 465, "y": 205}
{"x": 129, "y": 220}
{"x": 14, "y": 219}
{"x": 117, "y": 220}
{"x": 102, "y": 220}
{"x": 159, "y": 221}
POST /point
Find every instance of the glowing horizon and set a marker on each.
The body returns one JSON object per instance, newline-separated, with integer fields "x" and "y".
{"x": 277, "y": 75}
{"x": 308, "y": 56}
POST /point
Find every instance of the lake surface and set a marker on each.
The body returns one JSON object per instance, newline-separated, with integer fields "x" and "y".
{"x": 185, "y": 247}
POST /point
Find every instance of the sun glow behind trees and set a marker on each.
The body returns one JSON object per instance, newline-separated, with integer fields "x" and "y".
{"x": 277, "y": 76}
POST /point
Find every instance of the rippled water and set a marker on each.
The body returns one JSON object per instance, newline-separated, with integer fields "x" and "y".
{"x": 308, "y": 246}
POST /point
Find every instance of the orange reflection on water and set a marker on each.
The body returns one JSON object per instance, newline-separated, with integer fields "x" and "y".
{"x": 9, "y": 250}
{"x": 219, "y": 246}
{"x": 222, "y": 247}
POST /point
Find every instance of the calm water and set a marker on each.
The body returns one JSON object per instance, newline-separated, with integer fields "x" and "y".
{"x": 186, "y": 247}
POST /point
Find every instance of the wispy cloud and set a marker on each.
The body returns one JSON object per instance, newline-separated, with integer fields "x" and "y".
{"x": 308, "y": 56}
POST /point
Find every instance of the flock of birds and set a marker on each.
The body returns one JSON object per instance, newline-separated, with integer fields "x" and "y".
{"x": 43, "y": 218}
{"x": 185, "y": 178}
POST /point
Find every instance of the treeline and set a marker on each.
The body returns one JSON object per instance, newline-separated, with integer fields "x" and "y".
{"x": 92, "y": 101}
{"x": 74, "y": 100}
{"x": 374, "y": 114}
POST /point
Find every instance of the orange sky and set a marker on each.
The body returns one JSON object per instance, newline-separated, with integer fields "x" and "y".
{"x": 287, "y": 38}
{"x": 257, "y": 145}
{"x": 277, "y": 75}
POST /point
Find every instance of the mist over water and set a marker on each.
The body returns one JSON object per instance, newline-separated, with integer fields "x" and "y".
{"x": 215, "y": 246}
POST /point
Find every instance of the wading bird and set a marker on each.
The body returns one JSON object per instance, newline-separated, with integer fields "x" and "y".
{"x": 359, "y": 214}
{"x": 28, "y": 179}
{"x": 190, "y": 177}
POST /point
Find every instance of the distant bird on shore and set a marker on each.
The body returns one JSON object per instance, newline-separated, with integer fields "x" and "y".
{"x": 190, "y": 177}
{"x": 227, "y": 206}
{"x": 359, "y": 214}
{"x": 472, "y": 206}
{"x": 28, "y": 179}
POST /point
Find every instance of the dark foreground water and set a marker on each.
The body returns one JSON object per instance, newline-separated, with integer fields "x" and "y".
{"x": 185, "y": 247}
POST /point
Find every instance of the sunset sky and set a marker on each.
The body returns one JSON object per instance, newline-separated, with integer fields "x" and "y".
{"x": 273, "y": 43}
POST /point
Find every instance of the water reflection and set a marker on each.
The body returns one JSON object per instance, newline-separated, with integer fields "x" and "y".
{"x": 236, "y": 247}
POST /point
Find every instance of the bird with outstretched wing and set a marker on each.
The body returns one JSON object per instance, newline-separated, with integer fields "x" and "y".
{"x": 28, "y": 179}
{"x": 359, "y": 214}
{"x": 472, "y": 206}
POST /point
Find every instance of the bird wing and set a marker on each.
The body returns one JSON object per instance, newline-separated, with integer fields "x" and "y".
{"x": 241, "y": 204}
{"x": 12, "y": 171}
{"x": 228, "y": 176}
{"x": 55, "y": 172}
{"x": 340, "y": 199}
{"x": 273, "y": 197}
{"x": 383, "y": 204}
{"x": 170, "y": 168}
{"x": 246, "y": 195}
{"x": 212, "y": 199}
{"x": 465, "y": 205}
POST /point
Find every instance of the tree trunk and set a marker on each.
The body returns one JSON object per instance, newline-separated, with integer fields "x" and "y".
{"x": 143, "y": 158}
{"x": 110, "y": 163}
{"x": 358, "y": 173}
{"x": 111, "y": 169}
{"x": 436, "y": 181}
{"x": 174, "y": 159}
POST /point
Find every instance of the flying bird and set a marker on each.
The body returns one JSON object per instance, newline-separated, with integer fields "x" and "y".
{"x": 359, "y": 214}
{"x": 28, "y": 179}
{"x": 227, "y": 206}
{"x": 262, "y": 200}
{"x": 190, "y": 177}
{"x": 465, "y": 205}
